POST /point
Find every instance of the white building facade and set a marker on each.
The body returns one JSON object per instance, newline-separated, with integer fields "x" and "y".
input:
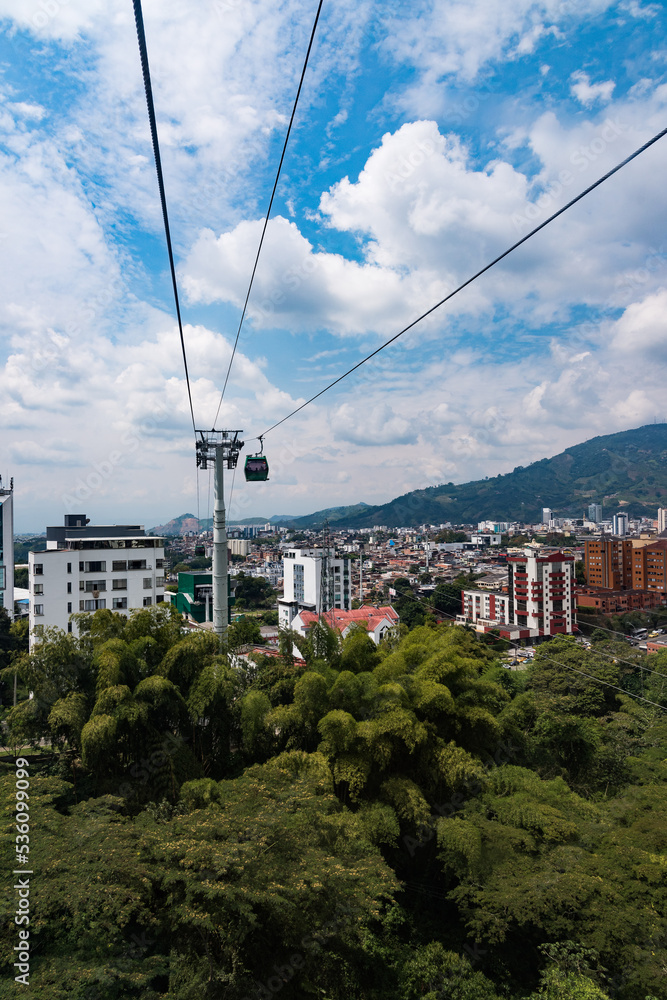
{"x": 541, "y": 591}
{"x": 91, "y": 567}
{"x": 7, "y": 548}
{"x": 620, "y": 524}
{"x": 479, "y": 606}
{"x": 313, "y": 580}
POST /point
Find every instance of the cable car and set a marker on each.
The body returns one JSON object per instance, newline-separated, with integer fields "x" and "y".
{"x": 256, "y": 469}
{"x": 200, "y": 550}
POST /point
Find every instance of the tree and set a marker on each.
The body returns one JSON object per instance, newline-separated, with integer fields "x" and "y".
{"x": 243, "y": 632}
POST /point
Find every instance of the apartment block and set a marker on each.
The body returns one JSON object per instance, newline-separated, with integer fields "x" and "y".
{"x": 313, "y": 580}
{"x": 7, "y": 547}
{"x": 485, "y": 608}
{"x": 649, "y": 567}
{"x": 89, "y": 567}
{"x": 608, "y": 563}
{"x": 541, "y": 592}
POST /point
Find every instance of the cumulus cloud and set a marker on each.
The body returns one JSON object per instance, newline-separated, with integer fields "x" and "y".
{"x": 588, "y": 93}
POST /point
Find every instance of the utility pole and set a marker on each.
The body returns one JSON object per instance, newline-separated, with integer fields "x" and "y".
{"x": 222, "y": 449}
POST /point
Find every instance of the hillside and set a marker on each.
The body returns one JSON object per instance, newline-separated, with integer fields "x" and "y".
{"x": 625, "y": 471}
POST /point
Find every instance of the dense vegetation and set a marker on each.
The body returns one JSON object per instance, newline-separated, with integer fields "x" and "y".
{"x": 622, "y": 471}
{"x": 409, "y": 822}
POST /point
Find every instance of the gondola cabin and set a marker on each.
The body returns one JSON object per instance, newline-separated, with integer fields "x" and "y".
{"x": 200, "y": 550}
{"x": 256, "y": 469}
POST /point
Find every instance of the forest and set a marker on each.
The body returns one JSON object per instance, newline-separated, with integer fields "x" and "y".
{"x": 411, "y": 821}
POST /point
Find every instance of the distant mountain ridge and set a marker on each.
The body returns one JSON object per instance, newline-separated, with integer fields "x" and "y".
{"x": 623, "y": 471}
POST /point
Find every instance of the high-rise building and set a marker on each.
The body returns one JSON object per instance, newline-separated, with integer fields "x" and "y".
{"x": 620, "y": 524}
{"x": 662, "y": 519}
{"x": 595, "y": 512}
{"x": 314, "y": 580}
{"x": 88, "y": 567}
{"x": 7, "y": 547}
{"x": 541, "y": 592}
{"x": 649, "y": 567}
{"x": 547, "y": 515}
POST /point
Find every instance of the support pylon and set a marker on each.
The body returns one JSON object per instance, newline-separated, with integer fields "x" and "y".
{"x": 222, "y": 449}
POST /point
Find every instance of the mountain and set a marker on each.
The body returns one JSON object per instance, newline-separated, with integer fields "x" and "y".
{"x": 188, "y": 522}
{"x": 625, "y": 471}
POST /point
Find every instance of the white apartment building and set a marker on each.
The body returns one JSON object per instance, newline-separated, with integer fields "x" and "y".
{"x": 541, "y": 591}
{"x": 7, "y": 548}
{"x": 314, "y": 580}
{"x": 88, "y": 567}
{"x": 662, "y": 519}
{"x": 485, "y": 608}
{"x": 620, "y": 524}
{"x": 239, "y": 546}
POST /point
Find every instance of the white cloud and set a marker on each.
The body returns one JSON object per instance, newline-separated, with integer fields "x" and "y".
{"x": 588, "y": 93}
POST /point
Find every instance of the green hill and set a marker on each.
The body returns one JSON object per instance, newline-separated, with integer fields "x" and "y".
{"x": 625, "y": 471}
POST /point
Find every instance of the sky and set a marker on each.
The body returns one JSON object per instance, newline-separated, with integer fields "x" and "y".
{"x": 429, "y": 137}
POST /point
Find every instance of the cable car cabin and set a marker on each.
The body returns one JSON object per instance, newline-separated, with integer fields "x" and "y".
{"x": 256, "y": 469}
{"x": 200, "y": 550}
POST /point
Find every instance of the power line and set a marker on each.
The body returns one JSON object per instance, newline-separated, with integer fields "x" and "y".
{"x": 550, "y": 659}
{"x": 268, "y": 211}
{"x": 141, "y": 37}
{"x": 474, "y": 277}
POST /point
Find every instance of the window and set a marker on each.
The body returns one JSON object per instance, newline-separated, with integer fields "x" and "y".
{"x": 119, "y": 584}
{"x": 80, "y": 567}
{"x": 69, "y": 607}
{"x": 119, "y": 565}
{"x": 148, "y": 601}
{"x": 119, "y": 603}
{"x": 96, "y": 567}
{"x": 38, "y": 630}
{"x": 159, "y": 563}
{"x": 159, "y": 598}
{"x": 39, "y": 609}
{"x": 69, "y": 587}
{"x": 159, "y": 581}
{"x": 38, "y": 588}
{"x": 148, "y": 583}
{"x": 92, "y": 585}
{"x": 69, "y": 567}
{"x": 69, "y": 626}
{"x": 136, "y": 564}
{"x": 38, "y": 569}
{"x": 92, "y": 605}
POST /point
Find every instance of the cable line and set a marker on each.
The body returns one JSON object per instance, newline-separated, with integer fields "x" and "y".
{"x": 549, "y": 659}
{"x": 474, "y": 277}
{"x": 268, "y": 211}
{"x": 141, "y": 37}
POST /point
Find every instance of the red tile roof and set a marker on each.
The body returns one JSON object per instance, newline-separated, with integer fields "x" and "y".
{"x": 367, "y": 614}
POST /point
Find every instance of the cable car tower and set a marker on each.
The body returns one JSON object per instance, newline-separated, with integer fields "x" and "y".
{"x": 220, "y": 448}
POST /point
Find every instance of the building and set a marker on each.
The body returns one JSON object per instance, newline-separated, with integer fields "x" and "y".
{"x": 547, "y": 515}
{"x": 239, "y": 546}
{"x": 313, "y": 580}
{"x": 481, "y": 541}
{"x": 620, "y": 524}
{"x": 541, "y": 592}
{"x": 7, "y": 547}
{"x": 87, "y": 567}
{"x": 480, "y": 607}
{"x": 649, "y": 567}
{"x": 608, "y": 563}
{"x": 595, "y": 512}
{"x": 626, "y": 563}
{"x": 194, "y": 598}
{"x": 376, "y": 620}
{"x": 611, "y": 602}
{"x": 662, "y": 519}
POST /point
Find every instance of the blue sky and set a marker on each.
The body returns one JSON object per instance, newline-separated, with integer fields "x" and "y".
{"x": 429, "y": 137}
